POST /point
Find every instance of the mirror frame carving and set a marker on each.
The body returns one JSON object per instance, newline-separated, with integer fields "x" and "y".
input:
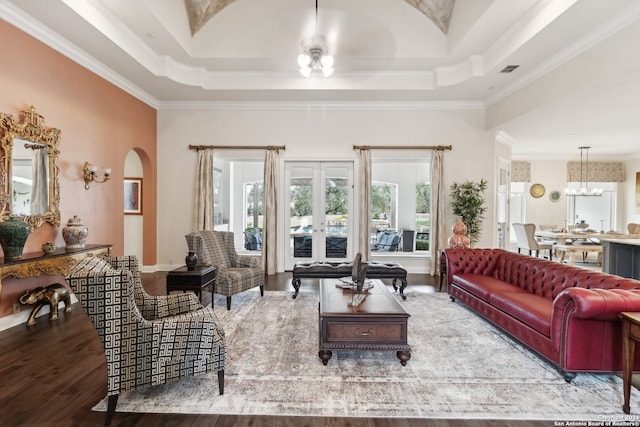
{"x": 30, "y": 128}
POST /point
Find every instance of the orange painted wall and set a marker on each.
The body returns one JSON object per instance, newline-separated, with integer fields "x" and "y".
{"x": 100, "y": 123}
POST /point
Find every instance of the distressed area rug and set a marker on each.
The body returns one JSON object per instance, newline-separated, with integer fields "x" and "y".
{"x": 461, "y": 367}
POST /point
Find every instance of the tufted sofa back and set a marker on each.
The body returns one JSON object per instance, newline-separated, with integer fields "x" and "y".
{"x": 534, "y": 275}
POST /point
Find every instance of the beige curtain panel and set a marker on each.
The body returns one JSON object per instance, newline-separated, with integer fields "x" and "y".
{"x": 270, "y": 223}
{"x": 364, "y": 216}
{"x": 203, "y": 205}
{"x": 438, "y": 229}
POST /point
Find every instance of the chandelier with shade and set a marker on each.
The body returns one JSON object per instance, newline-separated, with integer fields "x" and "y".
{"x": 315, "y": 58}
{"x": 584, "y": 189}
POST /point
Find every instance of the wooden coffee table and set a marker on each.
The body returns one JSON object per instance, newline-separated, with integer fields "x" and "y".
{"x": 378, "y": 323}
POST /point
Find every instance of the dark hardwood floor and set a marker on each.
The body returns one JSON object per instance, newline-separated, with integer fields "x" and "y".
{"x": 54, "y": 372}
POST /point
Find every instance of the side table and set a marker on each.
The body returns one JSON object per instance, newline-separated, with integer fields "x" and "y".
{"x": 630, "y": 334}
{"x": 196, "y": 280}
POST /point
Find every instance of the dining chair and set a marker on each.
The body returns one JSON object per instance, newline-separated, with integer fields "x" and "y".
{"x": 633, "y": 228}
{"x": 525, "y": 238}
{"x": 548, "y": 227}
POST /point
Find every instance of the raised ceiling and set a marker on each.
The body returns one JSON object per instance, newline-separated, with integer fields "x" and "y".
{"x": 422, "y": 53}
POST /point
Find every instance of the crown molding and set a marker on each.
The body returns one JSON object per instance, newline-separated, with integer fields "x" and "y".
{"x": 319, "y": 106}
{"x": 37, "y": 30}
{"x": 603, "y": 32}
{"x": 474, "y": 66}
{"x": 505, "y": 138}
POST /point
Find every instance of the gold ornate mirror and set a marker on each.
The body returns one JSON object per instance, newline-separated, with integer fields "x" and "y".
{"x": 29, "y": 183}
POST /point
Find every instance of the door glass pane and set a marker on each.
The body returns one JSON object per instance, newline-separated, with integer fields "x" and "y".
{"x": 336, "y": 212}
{"x": 254, "y": 216}
{"x": 423, "y": 200}
{"x": 301, "y": 212}
{"x": 503, "y": 186}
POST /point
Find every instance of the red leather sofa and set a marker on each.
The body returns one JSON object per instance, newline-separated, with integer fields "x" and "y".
{"x": 568, "y": 315}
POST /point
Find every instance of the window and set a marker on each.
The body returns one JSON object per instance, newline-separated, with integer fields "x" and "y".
{"x": 239, "y": 201}
{"x": 597, "y": 211}
{"x": 254, "y": 208}
{"x": 383, "y": 206}
{"x": 400, "y": 197}
{"x": 423, "y": 203}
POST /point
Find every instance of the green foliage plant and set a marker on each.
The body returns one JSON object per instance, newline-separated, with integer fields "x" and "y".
{"x": 468, "y": 203}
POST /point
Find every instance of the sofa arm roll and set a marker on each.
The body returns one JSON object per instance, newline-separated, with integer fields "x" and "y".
{"x": 598, "y": 304}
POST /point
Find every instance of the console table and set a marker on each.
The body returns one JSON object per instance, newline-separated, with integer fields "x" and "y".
{"x": 630, "y": 334}
{"x": 36, "y": 264}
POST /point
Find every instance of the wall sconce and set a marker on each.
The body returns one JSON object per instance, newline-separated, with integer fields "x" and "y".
{"x": 90, "y": 174}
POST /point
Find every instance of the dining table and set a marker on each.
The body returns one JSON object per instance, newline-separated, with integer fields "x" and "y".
{"x": 589, "y": 236}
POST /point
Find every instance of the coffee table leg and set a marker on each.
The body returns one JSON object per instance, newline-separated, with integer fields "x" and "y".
{"x": 325, "y": 355}
{"x": 296, "y": 285}
{"x": 403, "y": 284}
{"x": 404, "y": 357}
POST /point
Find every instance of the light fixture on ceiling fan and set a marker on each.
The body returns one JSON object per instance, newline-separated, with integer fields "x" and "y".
{"x": 315, "y": 58}
{"x": 584, "y": 184}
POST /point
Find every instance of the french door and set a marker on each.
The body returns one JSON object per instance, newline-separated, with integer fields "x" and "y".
{"x": 502, "y": 202}
{"x": 319, "y": 215}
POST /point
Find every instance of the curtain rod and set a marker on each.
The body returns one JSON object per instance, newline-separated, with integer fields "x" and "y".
{"x": 237, "y": 147}
{"x": 402, "y": 147}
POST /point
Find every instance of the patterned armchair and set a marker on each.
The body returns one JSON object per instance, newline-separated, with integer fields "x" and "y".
{"x": 148, "y": 340}
{"x": 234, "y": 273}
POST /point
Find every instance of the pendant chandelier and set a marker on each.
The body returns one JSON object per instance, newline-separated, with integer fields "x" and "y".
{"x": 315, "y": 58}
{"x": 584, "y": 189}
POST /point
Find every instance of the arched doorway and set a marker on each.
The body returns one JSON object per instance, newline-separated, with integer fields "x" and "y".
{"x": 133, "y": 222}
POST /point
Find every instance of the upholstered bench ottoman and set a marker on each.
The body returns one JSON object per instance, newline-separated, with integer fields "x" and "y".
{"x": 335, "y": 270}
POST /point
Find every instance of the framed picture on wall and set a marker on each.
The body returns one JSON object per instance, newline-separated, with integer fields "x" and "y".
{"x": 133, "y": 196}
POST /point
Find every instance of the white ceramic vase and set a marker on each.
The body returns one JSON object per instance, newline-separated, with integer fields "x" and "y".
{"x": 75, "y": 233}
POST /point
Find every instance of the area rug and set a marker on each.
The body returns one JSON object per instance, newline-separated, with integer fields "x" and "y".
{"x": 461, "y": 367}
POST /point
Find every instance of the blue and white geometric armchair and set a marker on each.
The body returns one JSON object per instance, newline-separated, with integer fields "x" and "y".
{"x": 148, "y": 340}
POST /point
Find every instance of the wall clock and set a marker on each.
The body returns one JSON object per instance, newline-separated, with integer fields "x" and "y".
{"x": 537, "y": 190}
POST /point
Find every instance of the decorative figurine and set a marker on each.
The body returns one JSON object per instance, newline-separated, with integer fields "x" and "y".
{"x": 459, "y": 239}
{"x": 191, "y": 260}
{"x": 50, "y": 295}
{"x": 48, "y": 248}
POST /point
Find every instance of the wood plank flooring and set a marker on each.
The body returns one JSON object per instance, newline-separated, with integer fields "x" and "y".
{"x": 52, "y": 373}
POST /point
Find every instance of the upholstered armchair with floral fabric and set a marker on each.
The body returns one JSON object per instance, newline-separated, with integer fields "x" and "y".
{"x": 234, "y": 273}
{"x": 148, "y": 340}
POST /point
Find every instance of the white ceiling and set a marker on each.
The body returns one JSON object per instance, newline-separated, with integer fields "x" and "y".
{"x": 386, "y": 53}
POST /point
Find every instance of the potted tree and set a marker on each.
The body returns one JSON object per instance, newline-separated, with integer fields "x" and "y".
{"x": 468, "y": 203}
